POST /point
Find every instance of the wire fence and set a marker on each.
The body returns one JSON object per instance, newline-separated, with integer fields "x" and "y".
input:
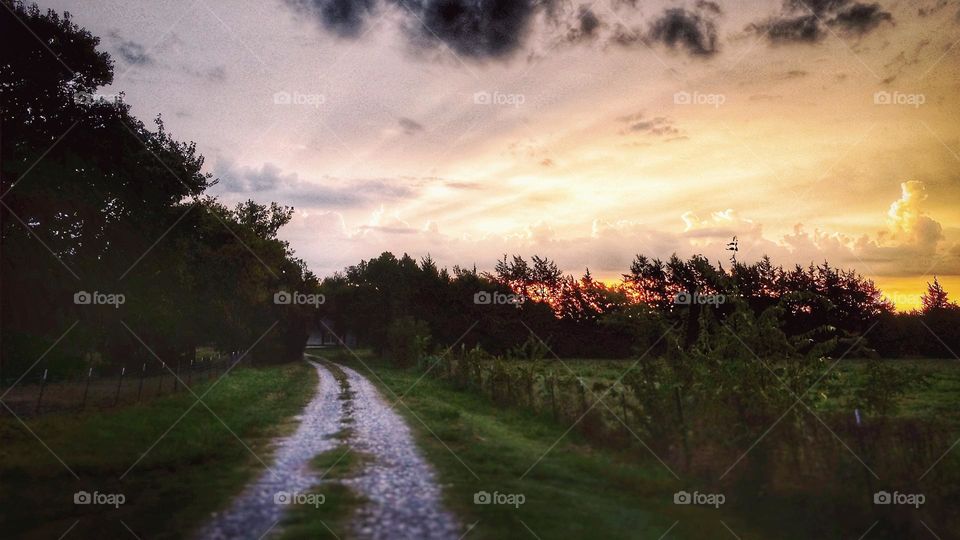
{"x": 101, "y": 388}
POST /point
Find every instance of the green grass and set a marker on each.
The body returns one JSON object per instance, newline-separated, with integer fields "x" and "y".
{"x": 193, "y": 469}
{"x": 332, "y": 518}
{"x": 935, "y": 397}
{"x": 574, "y": 491}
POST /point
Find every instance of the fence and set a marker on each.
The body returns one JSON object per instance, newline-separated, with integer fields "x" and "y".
{"x": 100, "y": 388}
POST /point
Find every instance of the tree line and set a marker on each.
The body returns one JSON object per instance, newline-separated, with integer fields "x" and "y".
{"x": 401, "y": 304}
{"x": 110, "y": 247}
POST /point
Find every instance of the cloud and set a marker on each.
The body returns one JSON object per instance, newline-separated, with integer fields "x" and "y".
{"x": 908, "y": 220}
{"x": 270, "y": 182}
{"x": 586, "y": 25}
{"x": 806, "y": 21}
{"x": 409, "y": 126}
{"x": 475, "y": 29}
{"x": 695, "y": 31}
{"x": 657, "y": 126}
{"x": 861, "y": 18}
{"x": 497, "y": 29}
{"x": 345, "y": 18}
{"x": 134, "y": 53}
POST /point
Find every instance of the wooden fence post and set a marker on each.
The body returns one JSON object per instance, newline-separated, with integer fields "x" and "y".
{"x": 116, "y": 397}
{"x": 143, "y": 372}
{"x": 86, "y": 390}
{"x": 43, "y": 384}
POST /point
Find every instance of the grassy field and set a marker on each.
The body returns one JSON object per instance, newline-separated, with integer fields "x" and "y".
{"x": 581, "y": 487}
{"x": 936, "y": 393}
{"x": 570, "y": 489}
{"x": 186, "y": 473}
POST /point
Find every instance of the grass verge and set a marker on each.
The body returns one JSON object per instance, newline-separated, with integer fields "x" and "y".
{"x": 173, "y": 459}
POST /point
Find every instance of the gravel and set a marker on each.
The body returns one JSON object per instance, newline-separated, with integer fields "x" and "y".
{"x": 401, "y": 497}
{"x": 401, "y": 487}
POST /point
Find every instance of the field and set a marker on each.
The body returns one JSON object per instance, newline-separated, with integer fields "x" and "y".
{"x": 170, "y": 480}
{"x": 588, "y": 482}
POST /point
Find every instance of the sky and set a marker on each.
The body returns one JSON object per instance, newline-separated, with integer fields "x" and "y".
{"x": 587, "y": 132}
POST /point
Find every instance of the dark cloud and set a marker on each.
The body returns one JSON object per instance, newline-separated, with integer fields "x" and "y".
{"x": 471, "y": 28}
{"x": 134, "y": 53}
{"x": 696, "y": 32}
{"x": 410, "y": 126}
{"x": 861, "y": 18}
{"x": 585, "y": 25}
{"x": 805, "y": 28}
{"x": 588, "y": 21}
{"x": 806, "y": 21}
{"x": 345, "y": 18}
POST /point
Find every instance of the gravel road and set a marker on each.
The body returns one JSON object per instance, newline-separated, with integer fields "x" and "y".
{"x": 402, "y": 498}
{"x": 254, "y": 512}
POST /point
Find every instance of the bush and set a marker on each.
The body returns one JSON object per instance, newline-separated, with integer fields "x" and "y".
{"x": 408, "y": 340}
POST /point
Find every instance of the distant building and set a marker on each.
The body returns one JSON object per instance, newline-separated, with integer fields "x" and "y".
{"x": 323, "y": 335}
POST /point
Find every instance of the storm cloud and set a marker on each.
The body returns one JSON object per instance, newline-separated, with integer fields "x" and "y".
{"x": 807, "y": 21}
{"x": 345, "y": 18}
{"x": 694, "y": 31}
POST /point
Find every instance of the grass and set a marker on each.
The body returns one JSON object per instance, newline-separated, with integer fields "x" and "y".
{"x": 570, "y": 489}
{"x": 935, "y": 397}
{"x": 332, "y": 518}
{"x": 171, "y": 480}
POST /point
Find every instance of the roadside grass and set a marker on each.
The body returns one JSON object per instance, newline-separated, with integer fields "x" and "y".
{"x": 180, "y": 476}
{"x": 332, "y": 518}
{"x": 570, "y": 488}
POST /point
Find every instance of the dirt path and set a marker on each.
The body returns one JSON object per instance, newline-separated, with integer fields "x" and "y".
{"x": 404, "y": 500}
{"x": 401, "y": 497}
{"x": 255, "y": 513}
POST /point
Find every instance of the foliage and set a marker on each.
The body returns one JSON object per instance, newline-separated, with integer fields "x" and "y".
{"x": 95, "y": 200}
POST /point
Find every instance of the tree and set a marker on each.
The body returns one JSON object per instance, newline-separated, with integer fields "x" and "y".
{"x": 935, "y": 298}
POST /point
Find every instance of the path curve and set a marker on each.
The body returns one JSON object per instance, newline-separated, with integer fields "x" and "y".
{"x": 254, "y": 512}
